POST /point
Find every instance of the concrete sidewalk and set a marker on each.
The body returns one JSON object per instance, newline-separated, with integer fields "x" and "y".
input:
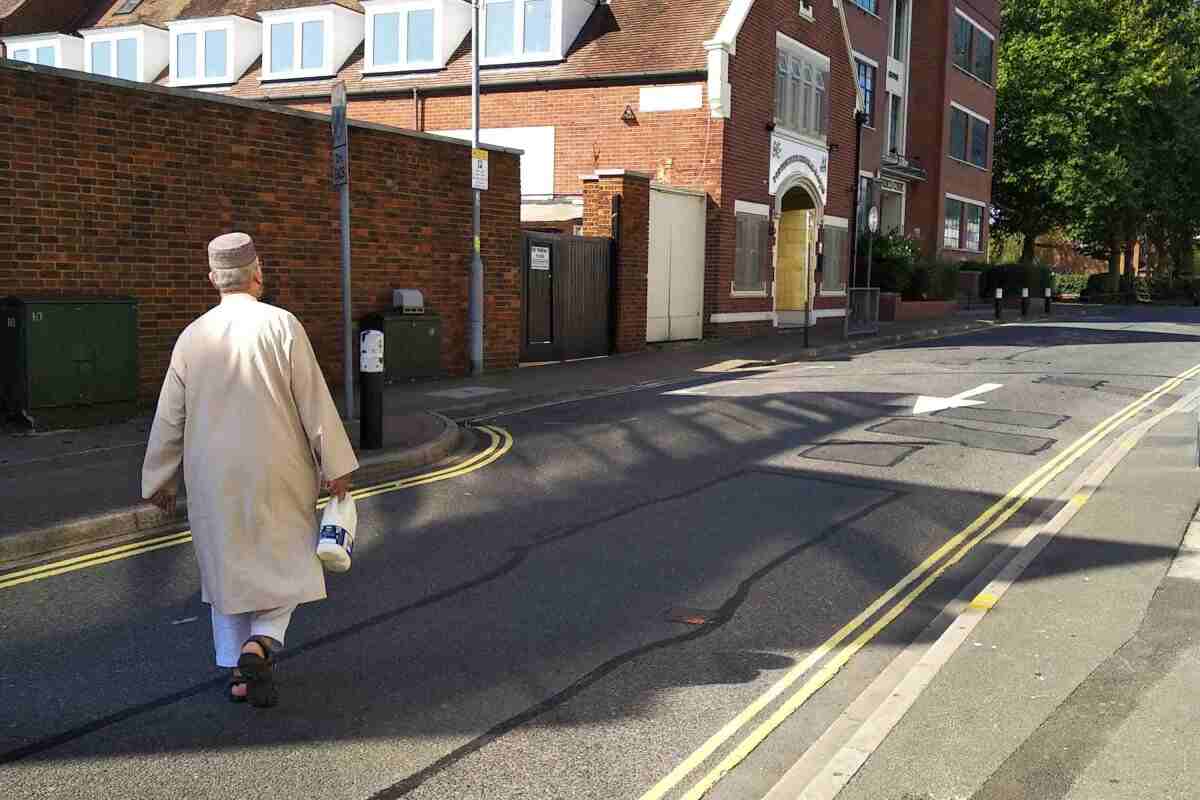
{"x": 68, "y": 487}
{"x": 1079, "y": 683}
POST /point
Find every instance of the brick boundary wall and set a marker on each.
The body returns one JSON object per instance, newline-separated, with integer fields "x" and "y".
{"x": 633, "y": 254}
{"x": 115, "y": 188}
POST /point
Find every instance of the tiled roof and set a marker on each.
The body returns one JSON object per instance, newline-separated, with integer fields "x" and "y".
{"x": 623, "y": 37}
{"x": 9, "y": 6}
{"x": 160, "y": 12}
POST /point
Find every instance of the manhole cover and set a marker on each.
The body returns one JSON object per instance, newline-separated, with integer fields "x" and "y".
{"x": 867, "y": 454}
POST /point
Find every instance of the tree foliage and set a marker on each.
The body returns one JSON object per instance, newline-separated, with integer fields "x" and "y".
{"x": 1098, "y": 106}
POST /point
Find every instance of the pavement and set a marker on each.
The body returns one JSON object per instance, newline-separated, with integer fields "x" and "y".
{"x": 73, "y": 487}
{"x": 677, "y": 590}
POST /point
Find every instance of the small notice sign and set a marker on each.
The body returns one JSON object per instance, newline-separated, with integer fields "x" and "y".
{"x": 539, "y": 258}
{"x": 479, "y": 169}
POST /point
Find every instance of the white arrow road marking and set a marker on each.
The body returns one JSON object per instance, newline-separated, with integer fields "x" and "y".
{"x": 927, "y": 405}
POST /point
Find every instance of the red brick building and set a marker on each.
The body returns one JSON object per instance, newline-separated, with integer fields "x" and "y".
{"x": 928, "y": 73}
{"x": 749, "y": 102}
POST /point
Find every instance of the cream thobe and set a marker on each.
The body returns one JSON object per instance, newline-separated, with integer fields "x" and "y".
{"x": 245, "y": 412}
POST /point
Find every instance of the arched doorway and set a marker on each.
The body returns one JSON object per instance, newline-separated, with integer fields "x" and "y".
{"x": 795, "y": 253}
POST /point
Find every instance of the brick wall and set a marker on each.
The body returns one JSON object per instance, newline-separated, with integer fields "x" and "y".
{"x": 633, "y": 247}
{"x": 115, "y": 189}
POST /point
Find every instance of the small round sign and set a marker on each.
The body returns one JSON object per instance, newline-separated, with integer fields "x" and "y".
{"x": 873, "y": 220}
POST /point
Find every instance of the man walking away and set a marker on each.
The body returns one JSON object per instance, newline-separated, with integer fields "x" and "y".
{"x": 246, "y": 414}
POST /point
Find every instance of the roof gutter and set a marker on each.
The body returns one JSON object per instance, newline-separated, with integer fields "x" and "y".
{"x": 523, "y": 83}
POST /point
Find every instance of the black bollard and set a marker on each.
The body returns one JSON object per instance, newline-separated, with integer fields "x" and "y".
{"x": 1047, "y": 302}
{"x": 999, "y": 300}
{"x": 371, "y": 391}
{"x": 1024, "y": 303}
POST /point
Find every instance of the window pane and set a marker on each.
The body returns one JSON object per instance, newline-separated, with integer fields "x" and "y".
{"x": 500, "y": 29}
{"x": 312, "y": 45}
{"x": 820, "y": 106}
{"x": 127, "y": 66}
{"x": 833, "y": 246}
{"x": 386, "y": 41}
{"x": 185, "y": 56}
{"x": 866, "y": 81}
{"x": 868, "y": 5}
{"x": 894, "y": 125}
{"x": 958, "y": 134}
{"x": 537, "y": 26}
{"x": 982, "y": 66}
{"x": 979, "y": 143}
{"x": 974, "y": 231}
{"x": 797, "y": 96}
{"x": 898, "y": 34}
{"x": 750, "y": 249}
{"x": 420, "y": 36}
{"x": 283, "y": 47}
{"x": 962, "y": 43}
{"x": 21, "y": 55}
{"x": 45, "y": 56}
{"x": 102, "y": 58}
{"x": 214, "y": 54}
{"x": 781, "y": 88}
{"x": 950, "y": 236}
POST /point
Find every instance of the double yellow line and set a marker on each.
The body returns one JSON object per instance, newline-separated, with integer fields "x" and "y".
{"x": 923, "y": 575}
{"x": 500, "y": 442}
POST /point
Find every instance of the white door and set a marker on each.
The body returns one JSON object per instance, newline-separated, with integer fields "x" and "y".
{"x": 675, "y": 280}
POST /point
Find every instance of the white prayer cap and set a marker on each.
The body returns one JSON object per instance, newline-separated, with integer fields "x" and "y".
{"x": 231, "y": 251}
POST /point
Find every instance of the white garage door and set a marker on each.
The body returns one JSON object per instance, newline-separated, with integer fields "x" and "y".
{"x": 675, "y": 290}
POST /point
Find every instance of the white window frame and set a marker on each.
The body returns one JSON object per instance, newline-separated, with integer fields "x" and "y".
{"x": 962, "y": 224}
{"x": 744, "y": 208}
{"x": 112, "y": 36}
{"x": 404, "y": 7}
{"x": 519, "y": 56}
{"x": 872, "y": 123}
{"x": 820, "y": 62}
{"x": 200, "y": 28}
{"x": 297, "y": 17}
{"x": 959, "y": 12}
{"x": 806, "y": 11}
{"x": 37, "y": 42}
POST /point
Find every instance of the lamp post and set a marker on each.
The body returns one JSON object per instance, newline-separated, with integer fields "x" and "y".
{"x": 475, "y": 293}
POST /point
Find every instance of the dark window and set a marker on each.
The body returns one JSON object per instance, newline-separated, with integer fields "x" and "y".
{"x": 900, "y": 29}
{"x": 973, "y": 229}
{"x": 866, "y": 82}
{"x": 868, "y": 5}
{"x": 958, "y": 134}
{"x": 979, "y": 143}
{"x": 981, "y": 62}
{"x": 962, "y": 42}
{"x": 952, "y": 233}
{"x": 894, "y": 140}
{"x": 753, "y": 254}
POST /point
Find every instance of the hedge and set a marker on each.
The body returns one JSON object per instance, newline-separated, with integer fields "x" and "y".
{"x": 1012, "y": 278}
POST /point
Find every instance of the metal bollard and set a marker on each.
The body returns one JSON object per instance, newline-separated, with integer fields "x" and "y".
{"x": 371, "y": 393}
{"x": 1024, "y": 303}
{"x": 999, "y": 298}
{"x": 1047, "y": 301}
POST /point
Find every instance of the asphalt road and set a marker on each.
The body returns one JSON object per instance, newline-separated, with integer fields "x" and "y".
{"x": 528, "y": 630}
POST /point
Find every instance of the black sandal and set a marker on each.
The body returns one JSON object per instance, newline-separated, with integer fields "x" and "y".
{"x": 258, "y": 673}
{"x": 236, "y": 678}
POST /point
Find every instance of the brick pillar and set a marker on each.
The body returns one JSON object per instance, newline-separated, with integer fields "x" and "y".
{"x": 633, "y": 253}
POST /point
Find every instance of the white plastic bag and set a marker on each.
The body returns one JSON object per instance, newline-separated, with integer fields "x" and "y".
{"x": 338, "y": 525}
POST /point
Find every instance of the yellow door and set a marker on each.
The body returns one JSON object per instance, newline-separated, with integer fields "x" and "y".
{"x": 794, "y": 240}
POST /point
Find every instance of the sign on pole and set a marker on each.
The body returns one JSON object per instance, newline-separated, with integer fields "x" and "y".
{"x": 341, "y": 140}
{"x": 479, "y": 169}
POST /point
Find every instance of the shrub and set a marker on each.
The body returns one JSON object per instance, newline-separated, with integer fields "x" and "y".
{"x": 893, "y": 261}
{"x": 935, "y": 280}
{"x": 1072, "y": 283}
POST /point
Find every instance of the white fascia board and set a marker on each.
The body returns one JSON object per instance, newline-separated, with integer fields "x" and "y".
{"x": 865, "y": 59}
{"x": 979, "y": 27}
{"x": 575, "y": 14}
{"x": 719, "y": 49}
{"x": 731, "y": 24}
{"x": 785, "y": 42}
{"x": 970, "y": 113}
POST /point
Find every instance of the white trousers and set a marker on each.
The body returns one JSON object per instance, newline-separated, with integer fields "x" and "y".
{"x": 230, "y": 631}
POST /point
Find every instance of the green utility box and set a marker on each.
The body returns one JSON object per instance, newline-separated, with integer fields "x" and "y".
{"x": 57, "y": 352}
{"x": 412, "y": 344}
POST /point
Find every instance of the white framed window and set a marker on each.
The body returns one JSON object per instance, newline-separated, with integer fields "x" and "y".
{"x": 752, "y": 245}
{"x": 50, "y": 50}
{"x": 130, "y": 52}
{"x": 212, "y": 51}
{"x": 974, "y": 47}
{"x": 970, "y": 136}
{"x": 311, "y": 42}
{"x": 801, "y": 89}
{"x": 413, "y": 34}
{"x": 867, "y": 71}
{"x": 963, "y": 229}
{"x": 519, "y": 30}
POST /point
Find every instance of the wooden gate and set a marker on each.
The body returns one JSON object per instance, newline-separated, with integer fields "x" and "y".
{"x": 567, "y": 294}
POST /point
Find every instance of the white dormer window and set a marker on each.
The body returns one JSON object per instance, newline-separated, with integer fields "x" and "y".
{"x": 50, "y": 50}
{"x": 516, "y": 31}
{"x": 129, "y": 52}
{"x": 309, "y": 42}
{"x": 213, "y": 51}
{"x": 413, "y": 34}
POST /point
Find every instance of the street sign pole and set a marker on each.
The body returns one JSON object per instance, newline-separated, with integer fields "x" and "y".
{"x": 475, "y": 296}
{"x": 341, "y": 181}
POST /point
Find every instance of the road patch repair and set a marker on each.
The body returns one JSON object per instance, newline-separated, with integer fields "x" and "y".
{"x": 866, "y": 454}
{"x": 962, "y": 435}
